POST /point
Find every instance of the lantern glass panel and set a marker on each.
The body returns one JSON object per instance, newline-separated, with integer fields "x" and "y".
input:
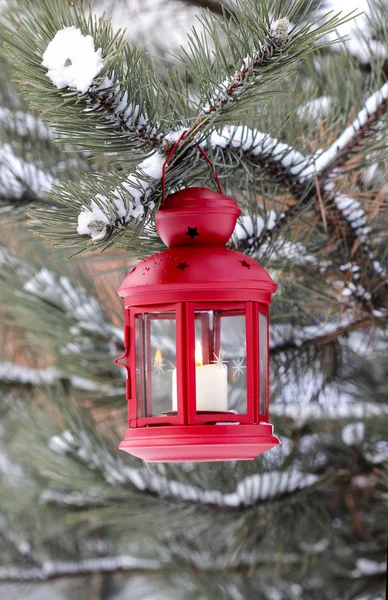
{"x": 220, "y": 361}
{"x": 263, "y": 367}
{"x": 155, "y": 362}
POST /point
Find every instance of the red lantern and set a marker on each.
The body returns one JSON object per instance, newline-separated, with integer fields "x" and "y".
{"x": 196, "y": 340}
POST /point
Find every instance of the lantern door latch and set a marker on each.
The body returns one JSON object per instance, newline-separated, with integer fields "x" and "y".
{"x": 126, "y": 350}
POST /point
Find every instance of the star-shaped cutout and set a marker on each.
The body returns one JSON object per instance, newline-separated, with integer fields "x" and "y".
{"x": 182, "y": 266}
{"x": 245, "y": 264}
{"x": 192, "y": 232}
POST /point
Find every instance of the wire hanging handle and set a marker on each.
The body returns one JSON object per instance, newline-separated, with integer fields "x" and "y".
{"x": 202, "y": 151}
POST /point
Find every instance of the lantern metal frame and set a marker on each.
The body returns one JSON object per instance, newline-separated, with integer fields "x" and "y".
{"x": 156, "y": 286}
{"x": 185, "y": 323}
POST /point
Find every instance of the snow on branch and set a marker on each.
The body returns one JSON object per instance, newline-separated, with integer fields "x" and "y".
{"x": 232, "y": 86}
{"x": 21, "y": 545}
{"x": 24, "y": 124}
{"x": 255, "y": 143}
{"x": 304, "y": 168}
{"x": 71, "y": 60}
{"x": 104, "y": 214}
{"x": 288, "y": 337}
{"x": 69, "y": 568}
{"x": 367, "y": 568}
{"x": 334, "y": 405}
{"x": 377, "y": 103}
{"x": 13, "y": 374}
{"x": 18, "y": 176}
{"x": 75, "y": 301}
{"x": 249, "y": 491}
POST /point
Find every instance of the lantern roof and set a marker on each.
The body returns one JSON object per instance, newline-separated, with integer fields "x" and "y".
{"x": 196, "y": 223}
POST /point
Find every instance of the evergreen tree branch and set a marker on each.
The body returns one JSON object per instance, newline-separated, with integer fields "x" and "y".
{"x": 49, "y": 570}
{"x": 12, "y": 374}
{"x": 106, "y": 112}
{"x": 216, "y": 6}
{"x": 323, "y": 338}
{"x": 300, "y": 177}
{"x": 352, "y": 140}
{"x": 348, "y": 143}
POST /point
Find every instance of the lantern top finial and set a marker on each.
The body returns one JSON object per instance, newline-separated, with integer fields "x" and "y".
{"x": 197, "y": 217}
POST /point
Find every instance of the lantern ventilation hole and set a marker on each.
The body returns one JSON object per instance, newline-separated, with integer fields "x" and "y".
{"x": 192, "y": 232}
{"x": 182, "y": 266}
{"x": 245, "y": 264}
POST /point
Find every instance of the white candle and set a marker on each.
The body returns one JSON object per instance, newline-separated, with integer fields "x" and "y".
{"x": 211, "y": 385}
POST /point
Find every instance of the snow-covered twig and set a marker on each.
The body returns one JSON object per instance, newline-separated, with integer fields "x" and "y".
{"x": 368, "y": 568}
{"x": 232, "y": 86}
{"x": 312, "y": 335}
{"x": 24, "y": 124}
{"x": 18, "y": 176}
{"x": 13, "y": 374}
{"x": 334, "y": 157}
{"x": 68, "y": 568}
{"x": 128, "y": 200}
{"x": 250, "y": 491}
{"x": 75, "y": 301}
{"x": 331, "y": 409}
{"x": 22, "y": 546}
{"x": 298, "y": 173}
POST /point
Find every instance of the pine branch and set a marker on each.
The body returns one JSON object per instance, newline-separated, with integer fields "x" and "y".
{"x": 49, "y": 570}
{"x": 216, "y": 6}
{"x": 308, "y": 180}
{"x": 20, "y": 179}
{"x": 106, "y": 112}
{"x": 304, "y": 341}
{"x": 22, "y": 376}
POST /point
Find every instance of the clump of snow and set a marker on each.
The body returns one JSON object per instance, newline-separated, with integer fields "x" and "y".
{"x": 246, "y": 228}
{"x": 173, "y": 136}
{"x": 353, "y": 433}
{"x": 364, "y": 566}
{"x": 316, "y": 547}
{"x": 319, "y": 107}
{"x": 376, "y": 452}
{"x": 94, "y": 221}
{"x": 364, "y": 481}
{"x": 63, "y": 443}
{"x": 71, "y": 59}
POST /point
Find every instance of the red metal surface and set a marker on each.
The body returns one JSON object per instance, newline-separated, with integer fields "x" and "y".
{"x": 199, "y": 443}
{"x": 197, "y": 273}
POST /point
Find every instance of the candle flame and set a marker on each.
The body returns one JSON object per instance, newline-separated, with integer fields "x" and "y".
{"x": 158, "y": 356}
{"x": 198, "y": 354}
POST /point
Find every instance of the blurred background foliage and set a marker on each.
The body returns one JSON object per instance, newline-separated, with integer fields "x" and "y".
{"x": 306, "y": 520}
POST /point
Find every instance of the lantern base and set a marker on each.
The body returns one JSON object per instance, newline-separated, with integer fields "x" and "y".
{"x": 199, "y": 443}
